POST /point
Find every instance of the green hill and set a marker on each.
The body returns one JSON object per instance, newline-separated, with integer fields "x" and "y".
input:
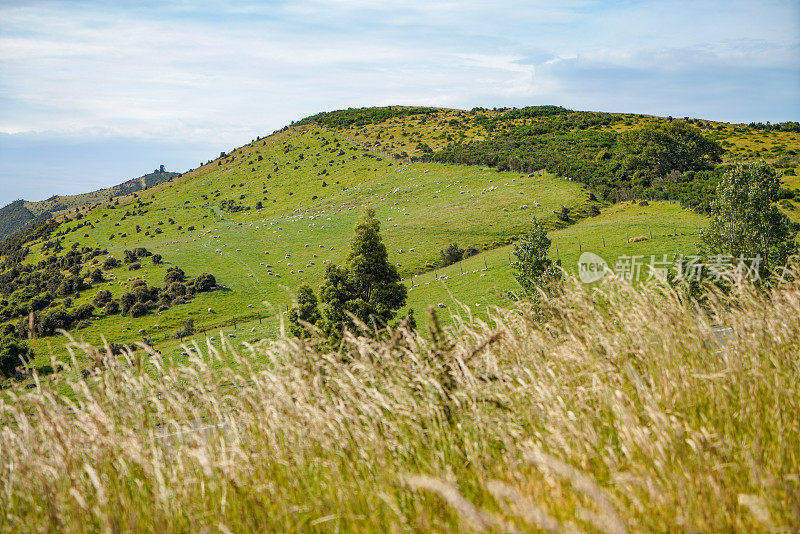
{"x": 270, "y": 215}
{"x": 15, "y": 217}
{"x": 20, "y": 214}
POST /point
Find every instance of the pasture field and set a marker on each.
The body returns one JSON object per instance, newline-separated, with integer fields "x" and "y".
{"x": 268, "y": 216}
{"x": 486, "y": 281}
{"x": 422, "y": 206}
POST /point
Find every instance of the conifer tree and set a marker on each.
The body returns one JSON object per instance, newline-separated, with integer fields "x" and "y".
{"x": 368, "y": 288}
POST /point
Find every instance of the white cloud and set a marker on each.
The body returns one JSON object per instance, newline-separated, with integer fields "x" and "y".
{"x": 191, "y": 70}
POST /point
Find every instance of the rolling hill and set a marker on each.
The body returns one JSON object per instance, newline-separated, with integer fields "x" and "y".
{"x": 21, "y": 213}
{"x": 267, "y": 216}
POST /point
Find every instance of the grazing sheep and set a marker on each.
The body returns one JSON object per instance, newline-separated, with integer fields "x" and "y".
{"x": 210, "y": 310}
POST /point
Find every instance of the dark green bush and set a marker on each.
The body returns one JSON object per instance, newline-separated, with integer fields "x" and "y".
{"x": 451, "y": 255}
{"x": 102, "y": 298}
{"x": 112, "y": 307}
{"x": 174, "y": 274}
{"x": 204, "y": 282}
{"x": 12, "y": 353}
{"x": 138, "y": 310}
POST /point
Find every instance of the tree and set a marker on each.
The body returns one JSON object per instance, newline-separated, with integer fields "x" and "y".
{"x": 746, "y": 222}
{"x": 533, "y": 269}
{"x": 655, "y": 150}
{"x": 306, "y": 311}
{"x": 376, "y": 281}
{"x": 368, "y": 286}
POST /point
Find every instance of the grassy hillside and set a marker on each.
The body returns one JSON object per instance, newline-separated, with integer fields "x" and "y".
{"x": 21, "y": 213}
{"x": 423, "y": 207}
{"x": 268, "y": 216}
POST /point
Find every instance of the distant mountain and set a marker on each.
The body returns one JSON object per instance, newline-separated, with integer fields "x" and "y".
{"x": 20, "y": 214}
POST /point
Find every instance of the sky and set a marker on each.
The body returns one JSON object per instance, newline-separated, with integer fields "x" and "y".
{"x": 95, "y": 93}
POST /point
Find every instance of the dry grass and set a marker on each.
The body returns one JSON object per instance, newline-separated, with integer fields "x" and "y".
{"x": 614, "y": 410}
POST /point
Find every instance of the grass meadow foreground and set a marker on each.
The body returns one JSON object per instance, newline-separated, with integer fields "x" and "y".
{"x": 613, "y": 408}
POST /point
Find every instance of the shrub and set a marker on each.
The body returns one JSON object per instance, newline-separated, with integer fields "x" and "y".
{"x": 563, "y": 215}
{"x": 174, "y": 274}
{"x": 142, "y": 252}
{"x": 102, "y": 298}
{"x": 12, "y": 354}
{"x": 138, "y": 310}
{"x": 176, "y": 289}
{"x": 470, "y": 251}
{"x": 96, "y": 276}
{"x": 451, "y": 255}
{"x": 156, "y": 259}
{"x": 84, "y": 311}
{"x": 130, "y": 256}
{"x": 127, "y": 300}
{"x": 594, "y": 211}
{"x": 135, "y": 266}
{"x": 204, "y": 282}
{"x": 112, "y": 307}
{"x": 188, "y": 329}
{"x": 40, "y": 302}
